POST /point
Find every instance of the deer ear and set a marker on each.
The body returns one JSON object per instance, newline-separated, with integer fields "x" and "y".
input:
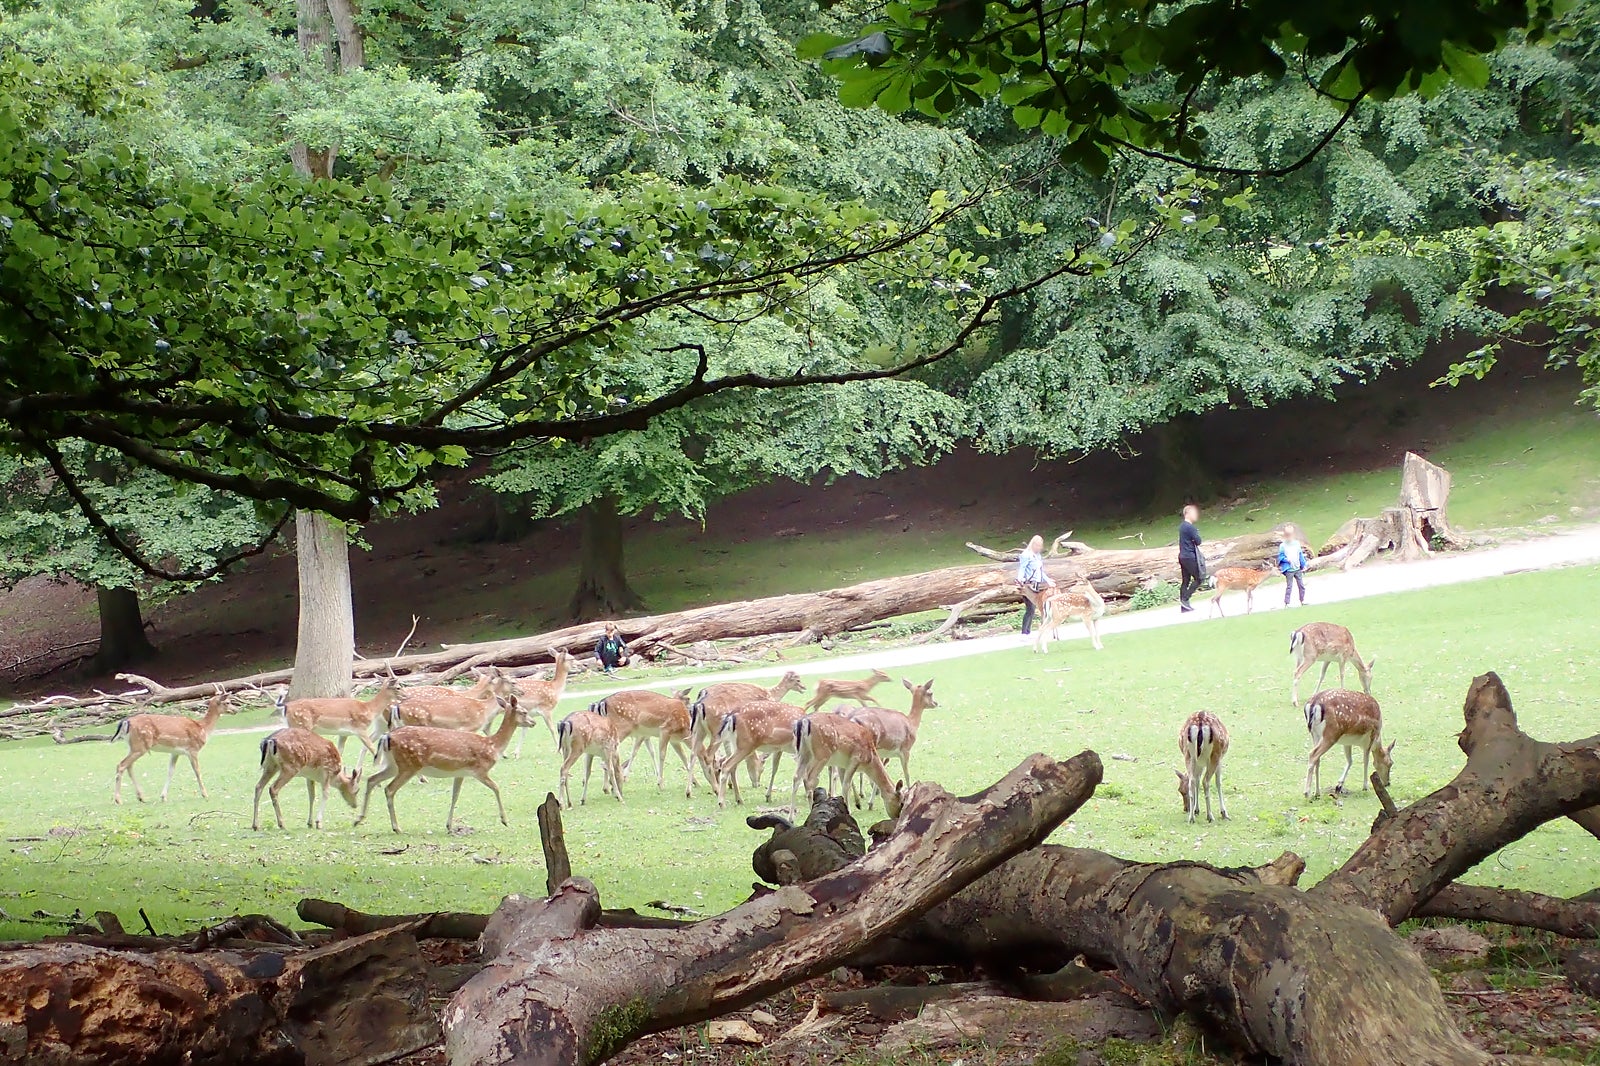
{"x": 1179, "y": 773}
{"x": 1390, "y": 749}
{"x": 906, "y": 681}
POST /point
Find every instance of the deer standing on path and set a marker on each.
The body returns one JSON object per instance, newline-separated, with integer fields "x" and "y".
{"x": 173, "y": 734}
{"x": 589, "y": 735}
{"x": 1203, "y": 741}
{"x": 832, "y": 741}
{"x": 1242, "y": 578}
{"x": 293, "y": 752}
{"x": 895, "y": 732}
{"x": 1326, "y": 643}
{"x": 1081, "y": 602}
{"x": 455, "y": 753}
{"x": 1354, "y": 719}
{"x": 541, "y": 697}
{"x": 860, "y": 691}
{"x": 343, "y": 717}
{"x": 716, "y": 702}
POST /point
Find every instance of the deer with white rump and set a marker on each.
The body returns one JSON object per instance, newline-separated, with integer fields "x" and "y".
{"x": 1326, "y": 643}
{"x": 405, "y": 752}
{"x": 716, "y": 702}
{"x": 893, "y": 732}
{"x": 343, "y": 717}
{"x": 1353, "y": 719}
{"x": 293, "y": 752}
{"x": 589, "y": 735}
{"x": 1244, "y": 579}
{"x": 860, "y": 691}
{"x": 761, "y": 727}
{"x": 1203, "y": 742}
{"x": 172, "y": 734}
{"x": 652, "y": 715}
{"x": 1081, "y": 602}
{"x": 834, "y": 742}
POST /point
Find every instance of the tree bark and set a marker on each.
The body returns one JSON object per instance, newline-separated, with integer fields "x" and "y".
{"x": 122, "y": 636}
{"x": 1573, "y": 918}
{"x": 352, "y": 1003}
{"x": 1182, "y": 472}
{"x": 327, "y": 638}
{"x": 603, "y": 590}
{"x": 559, "y": 992}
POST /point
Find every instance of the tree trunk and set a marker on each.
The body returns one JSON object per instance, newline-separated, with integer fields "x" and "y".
{"x": 327, "y": 638}
{"x": 1182, "y": 472}
{"x": 122, "y": 637}
{"x": 603, "y": 590}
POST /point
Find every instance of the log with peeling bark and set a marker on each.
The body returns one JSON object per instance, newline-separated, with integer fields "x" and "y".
{"x": 1575, "y": 918}
{"x": 559, "y": 991}
{"x": 354, "y": 1002}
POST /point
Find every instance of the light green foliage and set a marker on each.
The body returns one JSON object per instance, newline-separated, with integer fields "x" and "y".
{"x": 994, "y": 710}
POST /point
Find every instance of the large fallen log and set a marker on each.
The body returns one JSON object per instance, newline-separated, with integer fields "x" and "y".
{"x": 560, "y": 991}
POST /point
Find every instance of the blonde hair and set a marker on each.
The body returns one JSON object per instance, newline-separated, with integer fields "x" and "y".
{"x": 1189, "y": 509}
{"x": 1036, "y": 544}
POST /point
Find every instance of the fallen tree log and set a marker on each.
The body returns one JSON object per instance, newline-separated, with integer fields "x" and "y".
{"x": 1573, "y": 918}
{"x": 558, "y": 991}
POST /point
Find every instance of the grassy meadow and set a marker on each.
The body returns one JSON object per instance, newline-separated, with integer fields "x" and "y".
{"x": 192, "y": 860}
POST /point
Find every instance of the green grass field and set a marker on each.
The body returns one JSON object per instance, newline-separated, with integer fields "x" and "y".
{"x": 191, "y": 860}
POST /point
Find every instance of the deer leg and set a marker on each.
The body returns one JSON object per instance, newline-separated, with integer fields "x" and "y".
{"x": 194, "y": 761}
{"x": 1314, "y": 769}
{"x": 1249, "y": 607}
{"x": 1349, "y": 757}
{"x": 172, "y": 764}
{"x": 777, "y": 757}
{"x": 455, "y": 794}
{"x": 489, "y": 783}
{"x": 1366, "y": 767}
{"x": 389, "y": 792}
{"x": 285, "y": 775}
{"x": 1191, "y": 783}
{"x": 522, "y": 734}
{"x": 612, "y": 761}
{"x": 378, "y": 778}
{"x": 661, "y": 760}
{"x": 314, "y": 816}
{"x": 1222, "y": 804}
{"x": 1094, "y": 633}
{"x": 255, "y": 809}
{"x": 634, "y": 754}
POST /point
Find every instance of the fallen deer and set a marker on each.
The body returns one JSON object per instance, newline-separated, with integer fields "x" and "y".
{"x": 1353, "y": 719}
{"x": 407, "y": 751}
{"x": 173, "y": 734}
{"x": 1203, "y": 741}
{"x": 834, "y": 742}
{"x": 1081, "y": 602}
{"x": 860, "y": 691}
{"x": 716, "y": 702}
{"x": 342, "y": 717}
{"x": 761, "y": 727}
{"x": 541, "y": 697}
{"x": 652, "y": 715}
{"x": 294, "y": 752}
{"x": 1244, "y": 579}
{"x": 895, "y": 732}
{"x": 1326, "y": 643}
{"x": 589, "y": 735}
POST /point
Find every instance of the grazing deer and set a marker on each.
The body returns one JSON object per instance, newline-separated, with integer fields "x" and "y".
{"x": 541, "y": 697}
{"x": 407, "y": 751}
{"x": 893, "y": 731}
{"x": 1203, "y": 741}
{"x": 1339, "y": 716}
{"x": 587, "y": 735}
{"x": 174, "y": 734}
{"x": 343, "y": 717}
{"x": 1081, "y": 602}
{"x": 860, "y": 691}
{"x": 440, "y": 707}
{"x": 758, "y": 728}
{"x": 832, "y": 741}
{"x": 1326, "y": 643}
{"x": 294, "y": 752}
{"x": 1242, "y": 578}
{"x": 716, "y": 702}
{"x": 653, "y": 715}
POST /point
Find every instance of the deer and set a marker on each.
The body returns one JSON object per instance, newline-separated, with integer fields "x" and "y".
{"x": 860, "y": 691}
{"x": 173, "y": 734}
{"x": 759, "y": 727}
{"x": 1241, "y": 578}
{"x": 1326, "y": 643}
{"x": 440, "y": 707}
{"x": 1081, "y": 602}
{"x": 893, "y": 731}
{"x": 1339, "y": 716}
{"x": 1203, "y": 741}
{"x": 294, "y": 752}
{"x": 589, "y": 735}
{"x": 651, "y": 714}
{"x": 410, "y": 750}
{"x": 832, "y": 741}
{"x": 343, "y": 717}
{"x": 541, "y": 697}
{"x": 716, "y": 702}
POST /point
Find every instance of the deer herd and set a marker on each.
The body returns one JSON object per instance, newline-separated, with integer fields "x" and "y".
{"x": 437, "y": 731}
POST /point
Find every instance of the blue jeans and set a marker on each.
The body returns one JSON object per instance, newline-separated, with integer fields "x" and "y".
{"x": 1291, "y": 579}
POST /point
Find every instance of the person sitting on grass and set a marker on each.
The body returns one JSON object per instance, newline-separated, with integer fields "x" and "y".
{"x": 1292, "y": 565}
{"x": 612, "y": 651}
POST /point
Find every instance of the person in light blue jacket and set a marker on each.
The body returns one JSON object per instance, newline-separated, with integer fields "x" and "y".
{"x": 1034, "y": 581}
{"x": 1292, "y": 564}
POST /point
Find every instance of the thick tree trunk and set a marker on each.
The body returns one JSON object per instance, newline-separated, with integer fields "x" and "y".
{"x": 603, "y": 590}
{"x": 122, "y": 636}
{"x": 1182, "y": 472}
{"x": 559, "y": 991}
{"x": 327, "y": 639}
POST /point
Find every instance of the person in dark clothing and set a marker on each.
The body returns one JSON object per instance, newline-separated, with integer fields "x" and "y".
{"x": 1190, "y": 563}
{"x": 611, "y": 651}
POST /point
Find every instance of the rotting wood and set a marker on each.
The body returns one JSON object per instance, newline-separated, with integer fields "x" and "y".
{"x": 557, "y": 864}
{"x": 449, "y": 925}
{"x": 1530, "y": 910}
